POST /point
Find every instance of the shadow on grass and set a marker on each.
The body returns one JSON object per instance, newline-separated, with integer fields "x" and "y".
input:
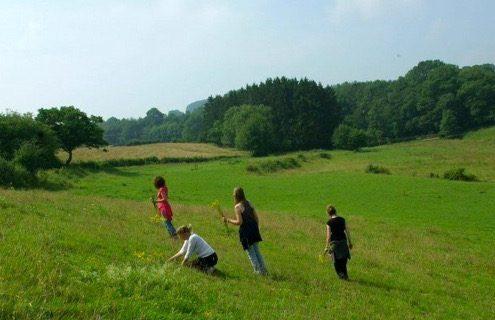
{"x": 62, "y": 179}
{"x": 110, "y": 170}
{"x": 221, "y": 275}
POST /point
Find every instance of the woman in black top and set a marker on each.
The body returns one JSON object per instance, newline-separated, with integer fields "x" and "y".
{"x": 249, "y": 232}
{"x": 338, "y": 242}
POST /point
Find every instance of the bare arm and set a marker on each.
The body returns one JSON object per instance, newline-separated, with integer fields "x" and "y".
{"x": 161, "y": 198}
{"x": 329, "y": 233}
{"x": 175, "y": 256}
{"x": 238, "y": 217}
{"x": 181, "y": 252}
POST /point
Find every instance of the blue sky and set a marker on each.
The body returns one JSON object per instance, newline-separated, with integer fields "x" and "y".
{"x": 119, "y": 58}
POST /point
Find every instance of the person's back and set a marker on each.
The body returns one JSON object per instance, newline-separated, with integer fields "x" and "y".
{"x": 249, "y": 230}
{"x": 338, "y": 241}
{"x": 197, "y": 245}
{"x": 337, "y": 228}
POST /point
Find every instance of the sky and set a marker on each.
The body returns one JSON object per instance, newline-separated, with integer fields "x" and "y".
{"x": 121, "y": 58}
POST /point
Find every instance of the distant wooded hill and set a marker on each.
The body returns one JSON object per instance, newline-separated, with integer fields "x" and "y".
{"x": 195, "y": 105}
{"x": 433, "y": 98}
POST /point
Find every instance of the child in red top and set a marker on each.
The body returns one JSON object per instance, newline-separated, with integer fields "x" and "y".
{"x": 163, "y": 205}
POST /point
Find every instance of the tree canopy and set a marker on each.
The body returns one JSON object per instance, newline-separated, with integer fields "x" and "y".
{"x": 73, "y": 128}
{"x": 433, "y": 98}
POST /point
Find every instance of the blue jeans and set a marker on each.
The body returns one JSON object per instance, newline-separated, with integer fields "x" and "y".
{"x": 256, "y": 259}
{"x": 170, "y": 227}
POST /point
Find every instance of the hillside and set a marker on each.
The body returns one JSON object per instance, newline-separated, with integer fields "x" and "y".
{"x": 423, "y": 247}
{"x": 475, "y": 152}
{"x": 195, "y": 105}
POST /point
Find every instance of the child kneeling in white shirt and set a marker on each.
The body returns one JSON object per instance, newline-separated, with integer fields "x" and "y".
{"x": 194, "y": 244}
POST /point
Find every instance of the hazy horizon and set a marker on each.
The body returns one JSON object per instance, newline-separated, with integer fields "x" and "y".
{"x": 120, "y": 58}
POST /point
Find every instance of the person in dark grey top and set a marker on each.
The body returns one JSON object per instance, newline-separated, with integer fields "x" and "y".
{"x": 338, "y": 242}
{"x": 249, "y": 232}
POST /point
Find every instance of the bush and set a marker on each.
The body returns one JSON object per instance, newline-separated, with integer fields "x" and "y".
{"x": 325, "y": 155}
{"x": 12, "y": 175}
{"x": 302, "y": 157}
{"x": 349, "y": 138}
{"x": 271, "y": 166}
{"x": 34, "y": 158}
{"x": 371, "y": 168}
{"x": 32, "y": 143}
{"x": 459, "y": 175}
{"x": 434, "y": 175}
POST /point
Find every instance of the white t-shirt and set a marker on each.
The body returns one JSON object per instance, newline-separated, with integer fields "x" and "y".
{"x": 196, "y": 245}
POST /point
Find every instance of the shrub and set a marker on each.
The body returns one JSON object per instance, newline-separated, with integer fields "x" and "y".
{"x": 349, "y": 138}
{"x": 270, "y": 166}
{"x": 302, "y": 157}
{"x": 434, "y": 175}
{"x": 33, "y": 158}
{"x": 325, "y": 155}
{"x": 12, "y": 175}
{"x": 32, "y": 143}
{"x": 459, "y": 175}
{"x": 371, "y": 168}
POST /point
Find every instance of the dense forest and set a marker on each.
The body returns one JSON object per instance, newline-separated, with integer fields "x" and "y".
{"x": 433, "y": 98}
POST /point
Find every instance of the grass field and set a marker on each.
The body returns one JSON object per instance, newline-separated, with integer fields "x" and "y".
{"x": 423, "y": 247}
{"x": 160, "y": 150}
{"x": 476, "y": 152}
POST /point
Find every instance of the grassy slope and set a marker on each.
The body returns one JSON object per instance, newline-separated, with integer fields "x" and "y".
{"x": 424, "y": 247}
{"x": 476, "y": 153}
{"x": 160, "y": 150}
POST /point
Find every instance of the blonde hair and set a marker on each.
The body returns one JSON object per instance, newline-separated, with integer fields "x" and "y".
{"x": 185, "y": 229}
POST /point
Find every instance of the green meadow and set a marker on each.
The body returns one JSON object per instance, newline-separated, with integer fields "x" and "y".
{"x": 91, "y": 249}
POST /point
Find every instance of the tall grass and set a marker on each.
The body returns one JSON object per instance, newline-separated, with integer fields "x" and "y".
{"x": 159, "y": 150}
{"x": 80, "y": 257}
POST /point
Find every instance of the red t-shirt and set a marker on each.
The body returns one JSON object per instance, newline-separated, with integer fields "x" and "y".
{"x": 164, "y": 207}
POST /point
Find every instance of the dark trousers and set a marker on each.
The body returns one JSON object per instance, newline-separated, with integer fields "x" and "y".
{"x": 341, "y": 268}
{"x": 207, "y": 262}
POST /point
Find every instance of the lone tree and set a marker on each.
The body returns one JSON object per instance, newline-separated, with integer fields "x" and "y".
{"x": 73, "y": 128}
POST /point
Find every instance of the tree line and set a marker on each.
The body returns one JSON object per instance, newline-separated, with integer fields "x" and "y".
{"x": 279, "y": 115}
{"x": 432, "y": 98}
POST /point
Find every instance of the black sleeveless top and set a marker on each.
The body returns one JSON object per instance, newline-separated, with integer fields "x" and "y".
{"x": 337, "y": 228}
{"x": 249, "y": 232}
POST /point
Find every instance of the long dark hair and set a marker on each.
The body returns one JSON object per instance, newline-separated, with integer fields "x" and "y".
{"x": 240, "y": 197}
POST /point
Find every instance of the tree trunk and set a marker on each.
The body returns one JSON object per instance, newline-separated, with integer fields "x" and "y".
{"x": 69, "y": 159}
